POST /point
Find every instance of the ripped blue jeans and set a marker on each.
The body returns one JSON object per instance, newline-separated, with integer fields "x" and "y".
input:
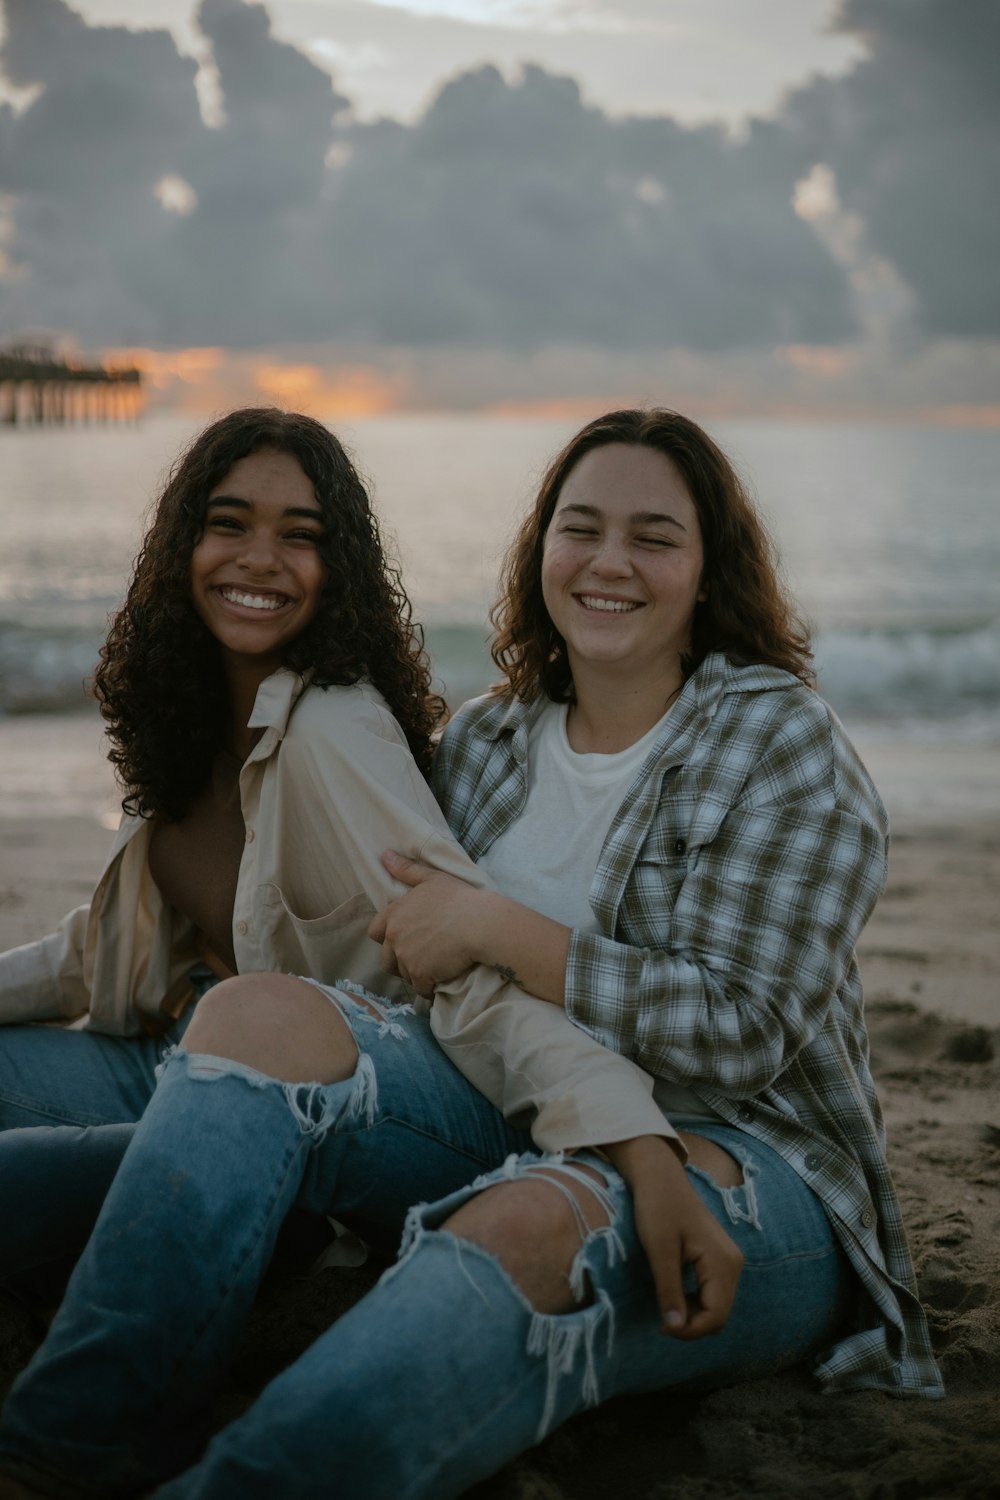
{"x": 444, "y": 1371}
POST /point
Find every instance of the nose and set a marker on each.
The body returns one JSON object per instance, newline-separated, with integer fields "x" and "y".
{"x": 259, "y": 553}
{"x": 611, "y": 560}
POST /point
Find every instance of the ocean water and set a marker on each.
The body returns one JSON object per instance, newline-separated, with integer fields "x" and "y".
{"x": 889, "y": 535}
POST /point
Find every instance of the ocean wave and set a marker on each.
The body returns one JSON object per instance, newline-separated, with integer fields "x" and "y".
{"x": 940, "y": 678}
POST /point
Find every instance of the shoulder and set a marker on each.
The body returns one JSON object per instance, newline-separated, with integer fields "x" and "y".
{"x": 786, "y": 740}
{"x": 341, "y": 716}
{"x": 485, "y": 741}
{"x": 486, "y": 717}
{"x": 480, "y": 726}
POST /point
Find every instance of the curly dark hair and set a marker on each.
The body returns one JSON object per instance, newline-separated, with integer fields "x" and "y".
{"x": 160, "y": 682}
{"x": 747, "y": 614}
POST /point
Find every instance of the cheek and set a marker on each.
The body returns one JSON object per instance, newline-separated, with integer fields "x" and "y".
{"x": 557, "y": 568}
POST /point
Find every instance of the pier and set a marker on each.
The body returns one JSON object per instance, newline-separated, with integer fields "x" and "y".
{"x": 38, "y": 388}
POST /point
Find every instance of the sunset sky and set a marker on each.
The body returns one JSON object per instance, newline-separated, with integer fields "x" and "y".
{"x": 737, "y": 206}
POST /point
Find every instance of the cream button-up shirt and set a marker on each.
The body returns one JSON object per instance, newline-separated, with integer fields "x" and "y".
{"x": 329, "y": 785}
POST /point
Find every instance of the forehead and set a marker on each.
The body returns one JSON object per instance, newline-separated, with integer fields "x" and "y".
{"x": 620, "y": 479}
{"x": 269, "y": 475}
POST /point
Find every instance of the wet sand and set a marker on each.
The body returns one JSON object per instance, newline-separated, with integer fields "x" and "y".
{"x": 931, "y": 961}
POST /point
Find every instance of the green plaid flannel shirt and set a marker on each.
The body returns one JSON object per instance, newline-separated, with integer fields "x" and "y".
{"x": 734, "y": 881}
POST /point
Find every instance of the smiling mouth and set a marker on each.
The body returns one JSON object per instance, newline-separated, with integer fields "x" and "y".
{"x": 609, "y": 606}
{"x": 266, "y": 602}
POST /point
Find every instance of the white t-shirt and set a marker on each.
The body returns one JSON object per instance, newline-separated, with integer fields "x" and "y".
{"x": 547, "y": 858}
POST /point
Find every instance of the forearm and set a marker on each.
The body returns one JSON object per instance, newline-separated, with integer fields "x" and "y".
{"x": 521, "y": 945}
{"x": 642, "y": 1157}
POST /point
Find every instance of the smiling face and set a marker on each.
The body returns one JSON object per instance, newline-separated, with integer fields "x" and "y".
{"x": 256, "y": 571}
{"x": 621, "y": 566}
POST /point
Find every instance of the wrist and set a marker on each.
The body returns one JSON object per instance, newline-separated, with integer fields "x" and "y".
{"x": 484, "y": 931}
{"x": 643, "y": 1154}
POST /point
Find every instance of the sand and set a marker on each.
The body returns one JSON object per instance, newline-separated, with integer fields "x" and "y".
{"x": 931, "y": 961}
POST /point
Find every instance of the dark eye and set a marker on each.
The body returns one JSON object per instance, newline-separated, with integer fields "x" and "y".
{"x": 224, "y": 523}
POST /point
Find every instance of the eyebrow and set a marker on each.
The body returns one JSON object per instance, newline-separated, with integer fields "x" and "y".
{"x": 638, "y": 517}
{"x": 234, "y": 502}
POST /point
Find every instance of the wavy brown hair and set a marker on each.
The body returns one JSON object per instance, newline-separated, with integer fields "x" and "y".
{"x": 160, "y": 682}
{"x": 747, "y": 614}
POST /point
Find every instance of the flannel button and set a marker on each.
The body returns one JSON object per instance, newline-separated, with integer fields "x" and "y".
{"x": 813, "y": 1162}
{"x": 868, "y": 1217}
{"x": 744, "y": 1113}
{"x": 680, "y": 846}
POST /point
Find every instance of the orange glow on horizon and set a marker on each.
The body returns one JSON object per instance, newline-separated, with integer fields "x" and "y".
{"x": 968, "y": 415}
{"x": 819, "y": 359}
{"x": 161, "y": 367}
{"x": 350, "y": 391}
{"x": 208, "y": 380}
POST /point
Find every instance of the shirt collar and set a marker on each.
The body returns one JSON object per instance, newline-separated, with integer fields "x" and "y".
{"x": 276, "y": 697}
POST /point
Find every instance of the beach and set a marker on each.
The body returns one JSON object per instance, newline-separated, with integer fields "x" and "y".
{"x": 931, "y": 962}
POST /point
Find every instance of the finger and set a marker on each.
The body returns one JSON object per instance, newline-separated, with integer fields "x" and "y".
{"x": 378, "y": 924}
{"x": 667, "y": 1268}
{"x": 409, "y": 871}
{"x": 390, "y": 962}
{"x": 718, "y": 1277}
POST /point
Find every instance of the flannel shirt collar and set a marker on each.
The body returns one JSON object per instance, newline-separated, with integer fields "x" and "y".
{"x": 699, "y": 700}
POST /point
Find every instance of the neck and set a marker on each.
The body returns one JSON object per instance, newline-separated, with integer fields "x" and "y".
{"x": 243, "y": 678}
{"x": 611, "y": 715}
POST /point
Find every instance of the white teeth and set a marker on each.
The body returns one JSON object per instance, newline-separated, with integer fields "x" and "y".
{"x": 611, "y": 606}
{"x": 251, "y": 601}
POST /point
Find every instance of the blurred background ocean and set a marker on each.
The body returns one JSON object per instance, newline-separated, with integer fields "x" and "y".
{"x": 889, "y": 534}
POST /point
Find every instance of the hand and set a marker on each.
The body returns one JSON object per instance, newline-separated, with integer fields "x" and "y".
{"x": 676, "y": 1229}
{"x": 425, "y": 934}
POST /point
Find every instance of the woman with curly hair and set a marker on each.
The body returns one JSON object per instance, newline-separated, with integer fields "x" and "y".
{"x": 682, "y": 847}
{"x": 262, "y": 619}
{"x": 267, "y": 702}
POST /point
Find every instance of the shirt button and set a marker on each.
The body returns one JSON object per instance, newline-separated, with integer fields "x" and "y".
{"x": 868, "y": 1217}
{"x": 680, "y": 846}
{"x": 744, "y": 1113}
{"x": 242, "y": 929}
{"x": 813, "y": 1162}
{"x": 250, "y": 835}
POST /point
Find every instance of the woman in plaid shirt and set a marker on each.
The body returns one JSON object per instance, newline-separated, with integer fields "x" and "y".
{"x": 683, "y": 848}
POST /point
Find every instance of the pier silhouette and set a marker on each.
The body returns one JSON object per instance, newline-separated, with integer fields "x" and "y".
{"x": 38, "y": 387}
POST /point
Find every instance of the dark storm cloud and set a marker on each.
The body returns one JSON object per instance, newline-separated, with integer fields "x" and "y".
{"x": 913, "y": 137}
{"x": 511, "y": 214}
{"x": 115, "y": 112}
{"x": 517, "y": 212}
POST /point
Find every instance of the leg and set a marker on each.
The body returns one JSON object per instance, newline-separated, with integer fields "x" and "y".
{"x": 68, "y": 1100}
{"x": 53, "y": 1076}
{"x": 55, "y": 1179}
{"x": 222, "y": 1153}
{"x": 447, "y": 1370}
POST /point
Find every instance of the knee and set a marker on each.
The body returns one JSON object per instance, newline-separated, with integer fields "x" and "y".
{"x": 277, "y": 1024}
{"x": 534, "y": 1229}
